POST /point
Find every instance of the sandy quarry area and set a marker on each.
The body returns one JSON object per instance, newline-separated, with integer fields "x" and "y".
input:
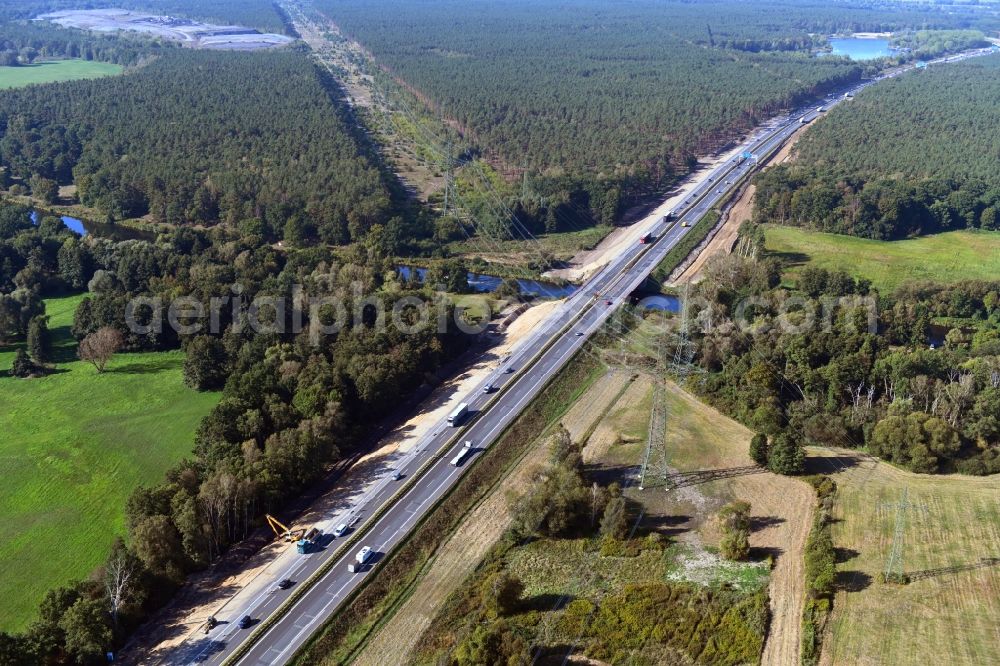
{"x": 190, "y": 33}
{"x": 225, "y": 598}
{"x": 589, "y": 262}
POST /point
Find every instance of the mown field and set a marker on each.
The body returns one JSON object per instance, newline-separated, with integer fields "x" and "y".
{"x": 74, "y": 445}
{"x": 950, "y": 612}
{"x": 946, "y": 257}
{"x": 50, "y": 71}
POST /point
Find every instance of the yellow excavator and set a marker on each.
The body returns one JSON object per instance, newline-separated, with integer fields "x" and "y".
{"x": 283, "y": 532}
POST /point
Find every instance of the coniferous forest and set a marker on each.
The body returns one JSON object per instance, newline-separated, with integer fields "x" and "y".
{"x": 911, "y": 156}
{"x": 242, "y": 138}
{"x": 627, "y": 92}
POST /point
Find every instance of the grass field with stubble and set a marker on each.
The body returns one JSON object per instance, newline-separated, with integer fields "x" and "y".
{"x": 74, "y": 444}
{"x": 950, "y": 611}
{"x": 948, "y": 257}
{"x": 51, "y": 71}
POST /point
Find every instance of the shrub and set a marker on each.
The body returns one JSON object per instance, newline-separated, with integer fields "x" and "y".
{"x": 758, "y": 449}
{"x": 821, "y": 572}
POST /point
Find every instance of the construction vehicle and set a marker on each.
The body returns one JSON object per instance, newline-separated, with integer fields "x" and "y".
{"x": 284, "y": 532}
{"x": 305, "y": 544}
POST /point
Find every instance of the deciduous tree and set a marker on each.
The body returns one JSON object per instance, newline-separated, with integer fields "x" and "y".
{"x": 100, "y": 346}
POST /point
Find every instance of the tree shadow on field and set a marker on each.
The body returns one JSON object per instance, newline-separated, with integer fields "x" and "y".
{"x": 145, "y": 368}
{"x": 852, "y": 581}
{"x": 761, "y": 553}
{"x": 544, "y": 602}
{"x": 63, "y": 345}
{"x": 842, "y": 555}
{"x": 668, "y": 526}
{"x": 758, "y": 523}
{"x": 791, "y": 259}
{"x": 833, "y": 464}
{"x": 983, "y": 563}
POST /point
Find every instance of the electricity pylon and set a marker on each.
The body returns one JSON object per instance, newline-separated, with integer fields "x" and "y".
{"x": 894, "y": 564}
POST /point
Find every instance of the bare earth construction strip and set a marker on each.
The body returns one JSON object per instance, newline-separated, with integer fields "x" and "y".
{"x": 190, "y": 33}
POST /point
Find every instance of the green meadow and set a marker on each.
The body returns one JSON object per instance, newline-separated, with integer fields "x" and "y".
{"x": 947, "y": 257}
{"x": 50, "y": 71}
{"x": 73, "y": 445}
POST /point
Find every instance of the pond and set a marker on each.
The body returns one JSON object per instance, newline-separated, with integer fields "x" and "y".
{"x": 486, "y": 283}
{"x": 858, "y": 48}
{"x": 660, "y": 302}
{"x": 112, "y": 231}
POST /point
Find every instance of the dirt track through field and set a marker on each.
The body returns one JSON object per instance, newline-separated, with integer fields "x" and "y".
{"x": 782, "y": 507}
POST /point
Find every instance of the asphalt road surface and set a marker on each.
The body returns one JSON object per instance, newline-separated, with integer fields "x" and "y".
{"x": 519, "y": 380}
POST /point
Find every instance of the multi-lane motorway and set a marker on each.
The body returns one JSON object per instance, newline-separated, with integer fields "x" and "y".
{"x": 285, "y": 619}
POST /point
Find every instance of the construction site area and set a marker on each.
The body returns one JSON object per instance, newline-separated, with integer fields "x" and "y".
{"x": 193, "y": 34}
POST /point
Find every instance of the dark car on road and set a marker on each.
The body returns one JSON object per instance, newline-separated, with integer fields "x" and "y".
{"x": 245, "y": 621}
{"x": 285, "y": 584}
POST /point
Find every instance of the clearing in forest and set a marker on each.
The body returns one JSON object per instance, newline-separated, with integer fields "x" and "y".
{"x": 50, "y": 71}
{"x": 611, "y": 419}
{"x": 946, "y": 257}
{"x": 74, "y": 445}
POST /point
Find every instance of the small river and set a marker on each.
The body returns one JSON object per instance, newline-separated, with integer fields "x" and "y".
{"x": 112, "y": 231}
{"x": 487, "y": 283}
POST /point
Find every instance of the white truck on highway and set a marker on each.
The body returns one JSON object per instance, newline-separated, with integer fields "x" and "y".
{"x": 360, "y": 559}
{"x": 457, "y": 460}
{"x": 458, "y": 414}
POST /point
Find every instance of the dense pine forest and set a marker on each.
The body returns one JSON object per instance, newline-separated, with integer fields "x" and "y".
{"x": 626, "y": 92}
{"x": 910, "y": 156}
{"x": 261, "y": 143}
{"x": 247, "y": 139}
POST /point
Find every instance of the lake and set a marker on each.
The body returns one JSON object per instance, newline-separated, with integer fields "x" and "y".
{"x": 857, "y": 48}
